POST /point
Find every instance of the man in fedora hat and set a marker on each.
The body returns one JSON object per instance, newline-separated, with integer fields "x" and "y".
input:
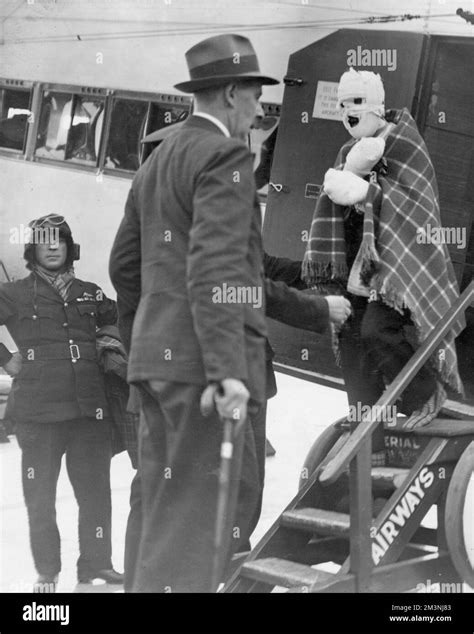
{"x": 187, "y": 267}
{"x": 285, "y": 301}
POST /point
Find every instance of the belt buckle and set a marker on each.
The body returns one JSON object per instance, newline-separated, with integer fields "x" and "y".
{"x": 75, "y": 352}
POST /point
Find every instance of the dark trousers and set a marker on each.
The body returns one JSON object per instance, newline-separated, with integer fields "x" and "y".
{"x": 88, "y": 454}
{"x": 133, "y": 533}
{"x": 375, "y": 346}
{"x": 258, "y": 423}
{"x": 249, "y": 489}
{"x": 178, "y": 471}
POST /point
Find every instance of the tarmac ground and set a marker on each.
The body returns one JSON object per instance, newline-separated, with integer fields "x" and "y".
{"x": 296, "y": 417}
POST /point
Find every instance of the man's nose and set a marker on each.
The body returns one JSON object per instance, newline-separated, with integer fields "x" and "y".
{"x": 259, "y": 116}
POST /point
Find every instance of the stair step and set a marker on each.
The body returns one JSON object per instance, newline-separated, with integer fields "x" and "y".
{"x": 457, "y": 410}
{"x": 280, "y": 572}
{"x": 388, "y": 478}
{"x": 446, "y": 428}
{"x": 317, "y": 521}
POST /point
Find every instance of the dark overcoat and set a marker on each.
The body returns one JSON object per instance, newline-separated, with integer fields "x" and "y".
{"x": 191, "y": 232}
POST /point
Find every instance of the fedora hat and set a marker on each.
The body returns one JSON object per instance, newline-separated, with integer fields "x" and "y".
{"x": 219, "y": 60}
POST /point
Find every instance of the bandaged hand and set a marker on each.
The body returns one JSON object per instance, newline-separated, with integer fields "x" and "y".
{"x": 366, "y": 153}
{"x": 344, "y": 187}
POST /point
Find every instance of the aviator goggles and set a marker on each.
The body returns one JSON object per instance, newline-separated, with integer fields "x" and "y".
{"x": 50, "y": 219}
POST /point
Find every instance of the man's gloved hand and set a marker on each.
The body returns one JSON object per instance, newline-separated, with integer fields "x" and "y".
{"x": 339, "y": 309}
{"x": 230, "y": 398}
{"x": 362, "y": 156}
{"x": 13, "y": 366}
{"x": 344, "y": 187}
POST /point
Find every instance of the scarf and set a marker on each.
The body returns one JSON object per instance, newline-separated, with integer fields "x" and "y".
{"x": 61, "y": 282}
{"x": 404, "y": 271}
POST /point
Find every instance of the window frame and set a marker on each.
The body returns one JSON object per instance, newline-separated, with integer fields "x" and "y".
{"x": 74, "y": 91}
{"x": 147, "y": 97}
{"x": 24, "y": 86}
{"x": 37, "y": 90}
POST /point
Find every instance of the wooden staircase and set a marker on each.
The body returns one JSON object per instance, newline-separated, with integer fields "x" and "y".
{"x": 367, "y": 521}
{"x": 304, "y": 536}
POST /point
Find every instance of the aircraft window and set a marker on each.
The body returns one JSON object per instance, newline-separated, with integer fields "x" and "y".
{"x": 161, "y": 116}
{"x": 126, "y": 132}
{"x": 262, "y": 145}
{"x": 14, "y": 114}
{"x": 69, "y": 128}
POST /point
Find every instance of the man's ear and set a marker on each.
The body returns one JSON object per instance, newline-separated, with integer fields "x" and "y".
{"x": 229, "y": 94}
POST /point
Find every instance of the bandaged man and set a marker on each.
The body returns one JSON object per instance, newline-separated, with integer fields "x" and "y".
{"x": 365, "y": 239}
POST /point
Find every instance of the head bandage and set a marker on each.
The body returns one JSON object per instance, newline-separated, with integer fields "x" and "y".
{"x": 363, "y": 85}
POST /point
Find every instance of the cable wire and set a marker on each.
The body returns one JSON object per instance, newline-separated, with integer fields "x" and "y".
{"x": 219, "y": 28}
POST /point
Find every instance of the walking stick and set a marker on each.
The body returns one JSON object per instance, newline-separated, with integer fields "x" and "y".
{"x": 223, "y": 499}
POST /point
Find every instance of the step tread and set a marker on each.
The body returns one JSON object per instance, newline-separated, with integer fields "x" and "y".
{"x": 284, "y": 573}
{"x": 318, "y": 520}
{"x": 446, "y": 428}
{"x": 392, "y": 477}
{"x": 457, "y": 409}
{"x": 442, "y": 427}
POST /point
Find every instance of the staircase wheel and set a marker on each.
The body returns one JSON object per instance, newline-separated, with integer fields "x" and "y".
{"x": 459, "y": 516}
{"x": 319, "y": 450}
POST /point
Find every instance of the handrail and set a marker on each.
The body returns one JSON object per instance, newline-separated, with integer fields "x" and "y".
{"x": 369, "y": 422}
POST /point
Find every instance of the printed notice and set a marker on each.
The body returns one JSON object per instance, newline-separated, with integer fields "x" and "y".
{"x": 326, "y": 101}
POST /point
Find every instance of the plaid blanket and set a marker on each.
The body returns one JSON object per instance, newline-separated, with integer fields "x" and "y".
{"x": 403, "y": 271}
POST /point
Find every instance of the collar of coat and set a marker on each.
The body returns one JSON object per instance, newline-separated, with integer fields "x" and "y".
{"x": 201, "y": 123}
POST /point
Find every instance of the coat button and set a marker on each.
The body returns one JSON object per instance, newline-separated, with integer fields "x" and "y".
{"x": 71, "y": 341}
{"x": 65, "y": 325}
{"x": 35, "y": 317}
{"x": 74, "y": 360}
{"x": 65, "y": 303}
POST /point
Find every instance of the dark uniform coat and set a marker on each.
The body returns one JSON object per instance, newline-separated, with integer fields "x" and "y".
{"x": 60, "y": 379}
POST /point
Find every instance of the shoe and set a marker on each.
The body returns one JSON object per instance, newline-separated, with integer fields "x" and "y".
{"x": 109, "y": 576}
{"x": 45, "y": 583}
{"x": 429, "y": 411}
